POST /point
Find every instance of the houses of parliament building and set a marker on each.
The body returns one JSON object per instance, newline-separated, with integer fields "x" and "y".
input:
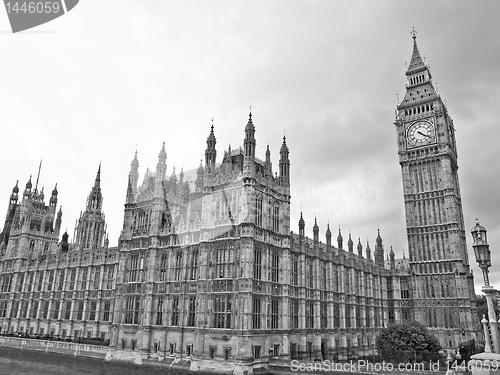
{"x": 212, "y": 270}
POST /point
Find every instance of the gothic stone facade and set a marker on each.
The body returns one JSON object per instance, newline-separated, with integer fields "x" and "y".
{"x": 442, "y": 282}
{"x": 208, "y": 269}
{"x": 56, "y": 289}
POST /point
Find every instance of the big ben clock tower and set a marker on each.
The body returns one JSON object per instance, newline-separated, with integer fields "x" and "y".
{"x": 443, "y": 288}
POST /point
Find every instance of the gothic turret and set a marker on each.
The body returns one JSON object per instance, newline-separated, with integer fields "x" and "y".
{"x": 64, "y": 242}
{"x": 161, "y": 166}
{"x": 269, "y": 166}
{"x": 316, "y": 234}
{"x": 14, "y": 196}
{"x": 340, "y": 239}
{"x": 328, "y": 237}
{"x": 134, "y": 173}
{"x": 360, "y": 248}
{"x": 302, "y": 225}
{"x": 173, "y": 177}
{"x": 94, "y": 201}
{"x": 417, "y": 66}
{"x": 4, "y": 235}
{"x": 284, "y": 164}
{"x": 368, "y": 251}
{"x": 249, "y": 141}
{"x": 15, "y": 190}
{"x": 27, "y": 191}
{"x": 379, "y": 251}
{"x": 350, "y": 244}
{"x": 90, "y": 229}
{"x": 53, "y": 198}
{"x": 211, "y": 152}
{"x": 392, "y": 260}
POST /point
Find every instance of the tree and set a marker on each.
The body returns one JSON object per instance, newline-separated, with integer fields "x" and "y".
{"x": 407, "y": 342}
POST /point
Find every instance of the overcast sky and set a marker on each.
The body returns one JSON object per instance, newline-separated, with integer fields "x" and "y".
{"x": 112, "y": 76}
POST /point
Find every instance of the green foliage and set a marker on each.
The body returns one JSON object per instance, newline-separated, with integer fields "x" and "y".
{"x": 407, "y": 342}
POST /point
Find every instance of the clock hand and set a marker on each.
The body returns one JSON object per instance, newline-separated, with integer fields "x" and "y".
{"x": 425, "y": 135}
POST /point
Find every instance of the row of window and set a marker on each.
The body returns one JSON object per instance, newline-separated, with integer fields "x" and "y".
{"x": 55, "y": 280}
{"x": 222, "y": 312}
{"x": 415, "y": 80}
{"x": 57, "y": 310}
{"x": 273, "y": 214}
{"x": 182, "y": 265}
{"x": 356, "y": 283}
{"x": 350, "y": 309}
{"x": 274, "y": 264}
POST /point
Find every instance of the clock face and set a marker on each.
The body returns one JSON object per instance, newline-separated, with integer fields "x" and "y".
{"x": 420, "y": 133}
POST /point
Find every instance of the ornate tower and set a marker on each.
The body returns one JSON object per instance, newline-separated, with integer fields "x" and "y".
{"x": 328, "y": 237}
{"x": 315, "y": 234}
{"x": 161, "y": 166}
{"x": 302, "y": 225}
{"x": 211, "y": 152}
{"x": 249, "y": 149}
{"x": 91, "y": 228}
{"x": 443, "y": 289}
{"x": 379, "y": 251}
{"x": 4, "y": 235}
{"x": 134, "y": 172}
{"x": 31, "y": 228}
{"x": 284, "y": 163}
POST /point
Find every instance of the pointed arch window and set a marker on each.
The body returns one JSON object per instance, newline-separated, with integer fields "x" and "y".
{"x": 258, "y": 207}
{"x": 295, "y": 270}
{"x": 178, "y": 266}
{"x": 224, "y": 259}
{"x": 163, "y": 267}
{"x": 257, "y": 263}
{"x": 276, "y": 217}
{"x": 194, "y": 265}
{"x": 275, "y": 266}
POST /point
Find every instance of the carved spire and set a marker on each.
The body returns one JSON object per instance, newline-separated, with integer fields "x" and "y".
{"x": 249, "y": 141}
{"x": 302, "y": 225}
{"x": 350, "y": 244}
{"x": 316, "y": 233}
{"x": 161, "y": 166}
{"x": 328, "y": 237}
{"x": 284, "y": 164}
{"x": 211, "y": 152}
{"x": 339, "y": 240}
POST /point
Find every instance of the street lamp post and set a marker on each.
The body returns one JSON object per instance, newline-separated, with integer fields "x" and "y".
{"x": 483, "y": 258}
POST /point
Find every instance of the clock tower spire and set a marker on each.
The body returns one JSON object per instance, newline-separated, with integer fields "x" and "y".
{"x": 442, "y": 281}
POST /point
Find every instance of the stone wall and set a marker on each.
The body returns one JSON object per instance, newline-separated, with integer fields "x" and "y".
{"x": 83, "y": 350}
